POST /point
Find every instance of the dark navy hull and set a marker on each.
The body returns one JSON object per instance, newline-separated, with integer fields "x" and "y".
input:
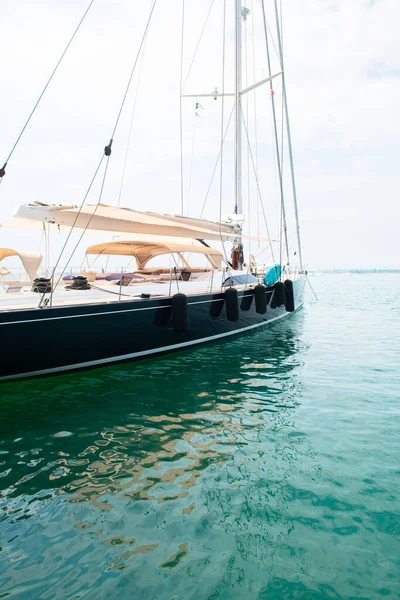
{"x": 41, "y": 342}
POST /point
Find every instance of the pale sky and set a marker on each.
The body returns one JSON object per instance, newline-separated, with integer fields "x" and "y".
{"x": 342, "y": 63}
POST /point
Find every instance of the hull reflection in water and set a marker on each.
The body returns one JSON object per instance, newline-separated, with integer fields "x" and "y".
{"x": 124, "y": 479}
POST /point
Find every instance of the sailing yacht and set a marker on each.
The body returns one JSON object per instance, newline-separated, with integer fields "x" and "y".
{"x": 66, "y": 322}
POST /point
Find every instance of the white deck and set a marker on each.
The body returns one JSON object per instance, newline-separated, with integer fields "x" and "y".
{"x": 105, "y": 292}
{"x": 102, "y": 291}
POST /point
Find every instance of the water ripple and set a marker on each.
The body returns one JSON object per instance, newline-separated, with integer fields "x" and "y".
{"x": 266, "y": 467}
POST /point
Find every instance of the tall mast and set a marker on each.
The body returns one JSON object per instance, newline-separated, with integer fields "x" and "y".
{"x": 278, "y": 29}
{"x": 238, "y": 116}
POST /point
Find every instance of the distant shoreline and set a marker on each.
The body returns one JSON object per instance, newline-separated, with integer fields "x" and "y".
{"x": 355, "y": 271}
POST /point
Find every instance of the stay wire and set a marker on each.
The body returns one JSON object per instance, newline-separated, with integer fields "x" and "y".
{"x": 282, "y": 216}
{"x": 43, "y": 234}
{"x": 45, "y": 88}
{"x": 180, "y": 106}
{"x": 216, "y": 163}
{"x": 270, "y": 33}
{"x": 222, "y": 132}
{"x": 107, "y": 154}
{"x": 255, "y": 113}
{"x": 197, "y": 46}
{"x": 258, "y": 185}
{"x": 191, "y": 166}
{"x": 283, "y": 95}
{"x": 73, "y": 225}
{"x": 130, "y": 127}
{"x": 247, "y": 117}
{"x": 312, "y": 289}
{"x": 87, "y": 224}
{"x": 277, "y": 150}
{"x": 133, "y": 70}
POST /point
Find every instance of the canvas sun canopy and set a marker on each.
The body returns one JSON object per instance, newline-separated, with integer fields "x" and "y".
{"x": 122, "y": 220}
{"x": 30, "y": 260}
{"x": 145, "y": 251}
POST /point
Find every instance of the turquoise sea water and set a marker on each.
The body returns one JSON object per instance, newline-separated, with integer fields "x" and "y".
{"x": 265, "y": 467}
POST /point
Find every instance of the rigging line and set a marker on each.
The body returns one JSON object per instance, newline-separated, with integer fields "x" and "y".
{"x": 176, "y": 271}
{"x": 282, "y": 132}
{"x": 258, "y": 185}
{"x": 43, "y": 234}
{"x": 290, "y": 239}
{"x": 133, "y": 69}
{"x": 52, "y": 254}
{"x": 282, "y": 102}
{"x": 180, "y": 104}
{"x": 197, "y": 46}
{"x": 107, "y": 153}
{"x": 216, "y": 163}
{"x": 281, "y": 233}
{"x": 91, "y": 263}
{"x": 282, "y": 142}
{"x": 312, "y": 289}
{"x": 45, "y": 88}
{"x": 191, "y": 166}
{"x": 261, "y": 251}
{"x": 114, "y": 237}
{"x": 289, "y": 140}
{"x": 98, "y": 289}
{"x": 271, "y": 36}
{"x": 247, "y": 117}
{"x": 274, "y": 45}
{"x": 275, "y": 129}
{"x": 131, "y": 125}
{"x": 74, "y": 223}
{"x": 282, "y": 215}
{"x": 48, "y": 249}
{"x": 222, "y": 133}
{"x": 87, "y": 224}
{"x": 255, "y": 114}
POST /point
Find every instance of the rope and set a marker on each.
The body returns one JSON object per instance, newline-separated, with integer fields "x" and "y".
{"x": 271, "y": 36}
{"x": 191, "y": 166}
{"x": 248, "y": 156}
{"x": 107, "y": 154}
{"x": 180, "y": 106}
{"x": 258, "y": 186}
{"x": 255, "y": 114}
{"x": 87, "y": 224}
{"x": 282, "y": 212}
{"x": 131, "y": 126}
{"x": 261, "y": 252}
{"x": 312, "y": 289}
{"x": 133, "y": 70}
{"x": 43, "y": 234}
{"x": 216, "y": 163}
{"x": 197, "y": 46}
{"x": 98, "y": 289}
{"x": 275, "y": 132}
{"x": 222, "y": 133}
{"x": 2, "y": 171}
{"x": 73, "y": 224}
{"x": 282, "y": 215}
